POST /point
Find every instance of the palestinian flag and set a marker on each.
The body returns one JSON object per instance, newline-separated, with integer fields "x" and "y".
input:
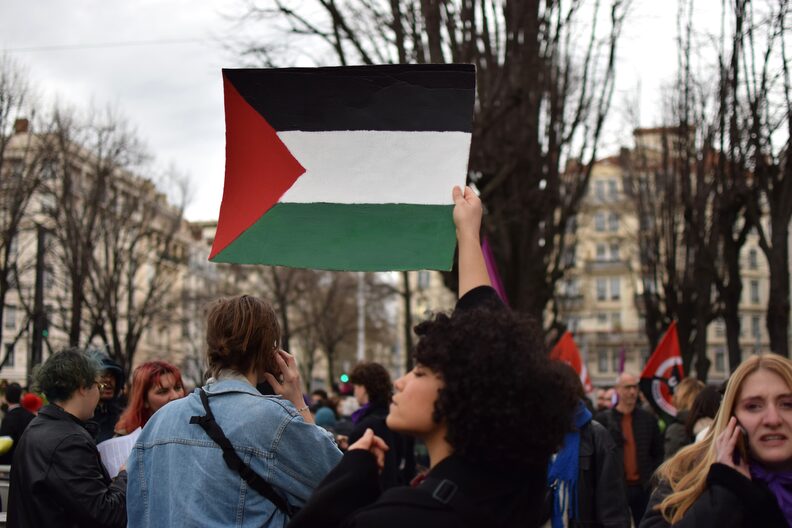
{"x": 567, "y": 351}
{"x": 347, "y": 168}
{"x": 662, "y": 373}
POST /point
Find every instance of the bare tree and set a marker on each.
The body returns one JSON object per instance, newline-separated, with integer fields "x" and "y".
{"x": 765, "y": 101}
{"x": 89, "y": 153}
{"x": 22, "y": 167}
{"x": 545, "y": 73}
{"x": 141, "y": 249}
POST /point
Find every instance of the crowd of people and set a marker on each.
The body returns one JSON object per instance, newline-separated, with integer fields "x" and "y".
{"x": 485, "y": 430}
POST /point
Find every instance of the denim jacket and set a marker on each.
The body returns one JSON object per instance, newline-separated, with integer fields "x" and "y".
{"x": 177, "y": 475}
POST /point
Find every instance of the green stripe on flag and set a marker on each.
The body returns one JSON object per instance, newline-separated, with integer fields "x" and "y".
{"x": 360, "y": 237}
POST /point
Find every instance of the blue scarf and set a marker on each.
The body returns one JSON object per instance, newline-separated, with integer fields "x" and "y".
{"x": 780, "y": 483}
{"x": 563, "y": 473}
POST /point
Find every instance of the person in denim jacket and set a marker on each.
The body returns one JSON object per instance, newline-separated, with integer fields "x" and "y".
{"x": 177, "y": 474}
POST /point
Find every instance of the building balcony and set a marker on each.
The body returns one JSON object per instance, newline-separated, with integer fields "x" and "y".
{"x": 570, "y": 303}
{"x": 607, "y": 266}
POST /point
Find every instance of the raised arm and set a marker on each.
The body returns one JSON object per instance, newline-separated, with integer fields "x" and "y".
{"x": 467, "y": 218}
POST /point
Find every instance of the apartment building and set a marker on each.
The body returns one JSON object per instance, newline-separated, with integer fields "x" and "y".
{"x": 600, "y": 299}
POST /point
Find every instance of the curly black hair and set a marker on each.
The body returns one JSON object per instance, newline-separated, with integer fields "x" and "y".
{"x": 375, "y": 379}
{"x": 504, "y": 402}
{"x": 66, "y": 371}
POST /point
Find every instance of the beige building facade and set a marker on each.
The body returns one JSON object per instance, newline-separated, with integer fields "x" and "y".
{"x": 600, "y": 299}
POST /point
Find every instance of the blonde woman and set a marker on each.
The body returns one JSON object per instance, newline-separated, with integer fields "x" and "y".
{"x": 739, "y": 475}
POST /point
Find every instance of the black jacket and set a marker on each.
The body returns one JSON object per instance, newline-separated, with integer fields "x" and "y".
{"x": 648, "y": 439}
{"x": 729, "y": 501}
{"x": 349, "y": 497}
{"x": 602, "y": 500}
{"x": 399, "y": 462}
{"x": 57, "y": 478}
{"x": 14, "y": 424}
{"x": 676, "y": 436}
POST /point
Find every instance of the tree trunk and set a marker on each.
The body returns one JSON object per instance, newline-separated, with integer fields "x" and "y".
{"x": 408, "y": 331}
{"x": 732, "y": 319}
{"x": 778, "y": 303}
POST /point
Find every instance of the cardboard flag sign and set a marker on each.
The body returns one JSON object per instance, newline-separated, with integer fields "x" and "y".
{"x": 662, "y": 373}
{"x": 567, "y": 351}
{"x": 347, "y": 168}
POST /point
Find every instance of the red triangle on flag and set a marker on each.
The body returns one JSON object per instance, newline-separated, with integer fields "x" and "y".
{"x": 663, "y": 372}
{"x": 567, "y": 351}
{"x": 259, "y": 169}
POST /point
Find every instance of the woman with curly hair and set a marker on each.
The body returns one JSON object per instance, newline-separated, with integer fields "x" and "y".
{"x": 154, "y": 384}
{"x": 739, "y": 475}
{"x": 484, "y": 398}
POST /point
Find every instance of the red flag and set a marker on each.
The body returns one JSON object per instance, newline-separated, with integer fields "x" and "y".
{"x": 662, "y": 373}
{"x": 567, "y": 351}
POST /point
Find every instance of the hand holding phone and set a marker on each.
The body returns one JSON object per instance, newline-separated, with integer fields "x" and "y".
{"x": 731, "y": 447}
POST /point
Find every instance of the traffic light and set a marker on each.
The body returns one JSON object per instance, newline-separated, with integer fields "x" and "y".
{"x": 344, "y": 378}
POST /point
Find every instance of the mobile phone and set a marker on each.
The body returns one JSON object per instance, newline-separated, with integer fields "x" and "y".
{"x": 741, "y": 449}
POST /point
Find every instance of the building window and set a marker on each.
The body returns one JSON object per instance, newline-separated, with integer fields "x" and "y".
{"x": 615, "y": 285}
{"x": 423, "y": 279}
{"x": 572, "y": 287}
{"x": 602, "y": 289}
{"x": 720, "y": 360}
{"x": 613, "y": 190}
{"x": 602, "y": 360}
{"x": 602, "y": 318}
{"x": 615, "y": 252}
{"x": 753, "y": 259}
{"x": 756, "y": 327}
{"x": 615, "y": 360}
{"x": 720, "y": 328}
{"x": 569, "y": 256}
{"x": 599, "y": 222}
{"x": 616, "y": 320}
{"x": 49, "y": 279}
{"x": 755, "y": 292}
{"x": 10, "y": 316}
{"x": 742, "y": 327}
{"x": 613, "y": 222}
{"x": 9, "y": 358}
{"x": 601, "y": 252}
{"x": 599, "y": 189}
{"x": 572, "y": 324}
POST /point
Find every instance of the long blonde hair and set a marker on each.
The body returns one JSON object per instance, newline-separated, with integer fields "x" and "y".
{"x": 686, "y": 472}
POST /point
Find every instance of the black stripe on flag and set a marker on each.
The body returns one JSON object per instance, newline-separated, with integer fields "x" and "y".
{"x": 425, "y": 97}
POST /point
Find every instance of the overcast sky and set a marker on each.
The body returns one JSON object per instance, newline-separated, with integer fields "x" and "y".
{"x": 172, "y": 92}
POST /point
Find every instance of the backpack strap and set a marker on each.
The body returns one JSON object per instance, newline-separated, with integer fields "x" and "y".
{"x": 234, "y": 462}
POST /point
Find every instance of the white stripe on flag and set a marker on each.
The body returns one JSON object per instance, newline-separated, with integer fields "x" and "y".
{"x": 370, "y": 167}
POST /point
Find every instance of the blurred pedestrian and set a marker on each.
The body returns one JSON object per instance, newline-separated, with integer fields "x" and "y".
{"x": 638, "y": 440}
{"x": 16, "y": 420}
{"x": 586, "y": 475}
{"x": 56, "y": 477}
{"x": 110, "y": 404}
{"x": 676, "y": 436}
{"x": 372, "y": 390}
{"x": 702, "y": 412}
{"x": 740, "y": 474}
{"x": 605, "y": 398}
{"x": 154, "y": 384}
